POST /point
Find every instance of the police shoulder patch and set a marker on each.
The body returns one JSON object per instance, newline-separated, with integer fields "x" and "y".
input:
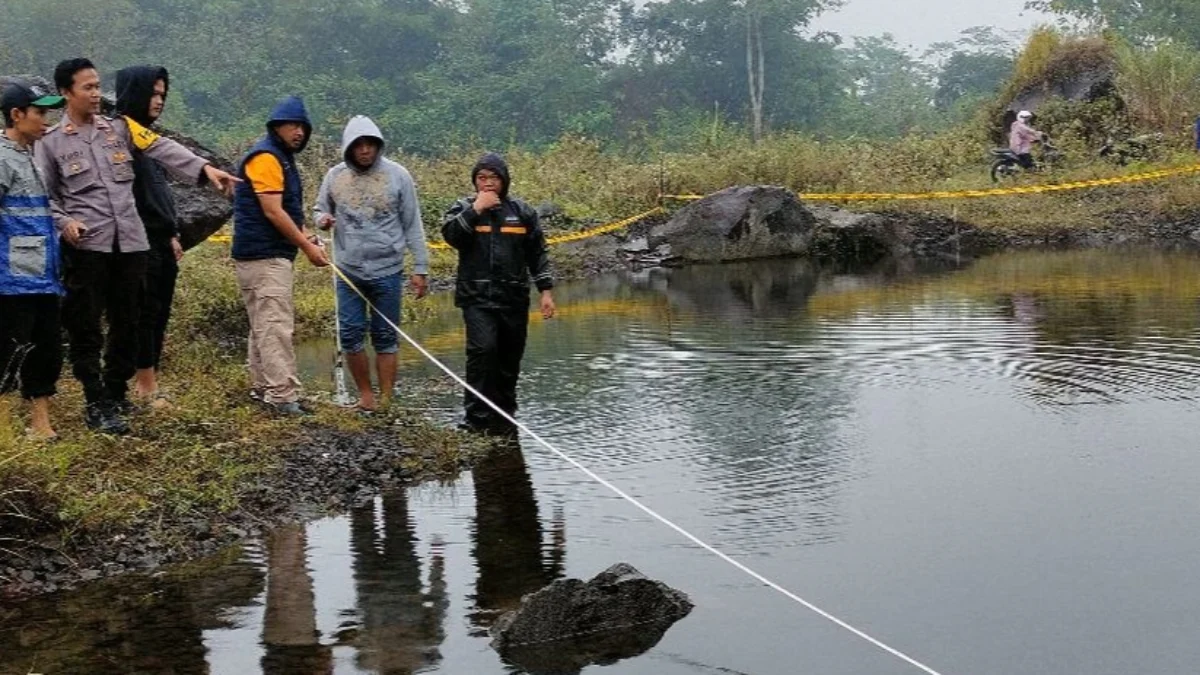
{"x": 142, "y": 136}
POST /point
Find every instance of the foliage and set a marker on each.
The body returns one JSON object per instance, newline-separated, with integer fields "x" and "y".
{"x": 891, "y": 91}
{"x": 1146, "y": 21}
{"x": 1158, "y": 85}
{"x": 971, "y": 69}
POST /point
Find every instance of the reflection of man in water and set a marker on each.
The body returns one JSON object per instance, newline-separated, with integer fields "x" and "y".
{"x": 402, "y": 625}
{"x": 508, "y": 536}
{"x": 290, "y": 636}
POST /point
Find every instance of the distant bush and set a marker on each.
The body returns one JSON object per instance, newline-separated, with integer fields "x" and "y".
{"x": 1160, "y": 85}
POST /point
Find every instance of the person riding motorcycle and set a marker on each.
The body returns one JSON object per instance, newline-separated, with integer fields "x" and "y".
{"x": 1021, "y": 138}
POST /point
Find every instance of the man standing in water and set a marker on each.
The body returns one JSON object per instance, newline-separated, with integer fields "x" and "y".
{"x": 371, "y": 204}
{"x": 500, "y": 246}
{"x": 87, "y": 163}
{"x": 30, "y": 340}
{"x": 141, "y": 95}
{"x": 268, "y": 231}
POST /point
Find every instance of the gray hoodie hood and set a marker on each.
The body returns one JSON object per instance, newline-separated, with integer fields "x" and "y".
{"x": 360, "y": 126}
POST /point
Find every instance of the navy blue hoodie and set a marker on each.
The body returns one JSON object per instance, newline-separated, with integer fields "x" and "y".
{"x": 254, "y": 237}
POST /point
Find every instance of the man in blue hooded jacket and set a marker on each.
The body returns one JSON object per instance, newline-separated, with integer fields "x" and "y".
{"x": 268, "y": 231}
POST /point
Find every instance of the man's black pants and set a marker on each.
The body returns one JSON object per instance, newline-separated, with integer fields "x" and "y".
{"x": 30, "y": 344}
{"x": 103, "y": 286}
{"x": 495, "y": 345}
{"x": 161, "y": 273}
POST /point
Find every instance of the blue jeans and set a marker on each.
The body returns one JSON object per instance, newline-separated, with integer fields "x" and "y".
{"x": 384, "y": 293}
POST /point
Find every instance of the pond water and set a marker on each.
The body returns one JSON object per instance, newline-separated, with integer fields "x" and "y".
{"x": 989, "y": 467}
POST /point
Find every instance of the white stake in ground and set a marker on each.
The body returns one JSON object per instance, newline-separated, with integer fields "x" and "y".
{"x": 341, "y": 394}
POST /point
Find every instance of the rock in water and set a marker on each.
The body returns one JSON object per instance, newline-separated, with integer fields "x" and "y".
{"x": 200, "y": 209}
{"x": 571, "y": 624}
{"x": 738, "y": 223}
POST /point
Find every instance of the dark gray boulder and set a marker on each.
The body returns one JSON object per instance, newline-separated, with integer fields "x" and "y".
{"x": 738, "y": 223}
{"x": 1087, "y": 82}
{"x": 571, "y": 624}
{"x": 201, "y": 209}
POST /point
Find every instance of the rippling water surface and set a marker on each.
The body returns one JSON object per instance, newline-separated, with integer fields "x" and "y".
{"x": 991, "y": 468}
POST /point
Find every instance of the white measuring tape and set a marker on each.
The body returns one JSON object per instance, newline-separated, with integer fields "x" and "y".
{"x": 632, "y": 500}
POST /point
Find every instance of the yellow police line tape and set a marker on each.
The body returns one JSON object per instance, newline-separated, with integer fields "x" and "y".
{"x": 993, "y": 192}
{"x": 560, "y": 239}
{"x": 859, "y": 197}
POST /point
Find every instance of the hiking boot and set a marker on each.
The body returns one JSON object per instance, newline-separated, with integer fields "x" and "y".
{"x": 290, "y": 409}
{"x": 125, "y": 408}
{"x": 103, "y": 417}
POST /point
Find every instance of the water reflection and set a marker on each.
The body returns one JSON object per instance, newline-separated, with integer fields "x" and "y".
{"x": 135, "y": 625}
{"x": 741, "y": 291}
{"x": 290, "y": 639}
{"x": 402, "y": 618}
{"x": 512, "y": 556}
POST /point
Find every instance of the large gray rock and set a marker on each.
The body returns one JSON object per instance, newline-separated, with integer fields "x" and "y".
{"x": 571, "y": 624}
{"x": 738, "y": 223}
{"x": 201, "y": 209}
{"x": 1082, "y": 70}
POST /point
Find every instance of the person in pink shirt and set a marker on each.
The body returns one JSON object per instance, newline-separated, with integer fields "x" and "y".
{"x": 1022, "y": 137}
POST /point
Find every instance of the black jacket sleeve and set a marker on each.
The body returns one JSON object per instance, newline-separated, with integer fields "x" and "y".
{"x": 537, "y": 252}
{"x": 458, "y": 225}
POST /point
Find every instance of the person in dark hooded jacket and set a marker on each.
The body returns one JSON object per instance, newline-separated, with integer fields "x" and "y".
{"x": 141, "y": 95}
{"x": 500, "y": 247}
{"x": 268, "y": 231}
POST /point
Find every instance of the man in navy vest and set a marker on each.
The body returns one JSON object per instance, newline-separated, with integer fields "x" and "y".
{"x": 268, "y": 230}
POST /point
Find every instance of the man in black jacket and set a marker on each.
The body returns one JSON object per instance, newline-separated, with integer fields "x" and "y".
{"x": 141, "y": 95}
{"x": 500, "y": 246}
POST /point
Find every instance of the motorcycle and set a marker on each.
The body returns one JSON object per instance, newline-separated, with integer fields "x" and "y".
{"x": 1007, "y": 165}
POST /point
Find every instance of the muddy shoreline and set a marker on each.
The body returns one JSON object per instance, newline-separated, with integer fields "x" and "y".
{"x": 330, "y": 471}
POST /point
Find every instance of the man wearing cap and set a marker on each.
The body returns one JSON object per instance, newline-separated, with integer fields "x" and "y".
{"x": 30, "y": 349}
{"x": 87, "y": 163}
{"x": 268, "y": 231}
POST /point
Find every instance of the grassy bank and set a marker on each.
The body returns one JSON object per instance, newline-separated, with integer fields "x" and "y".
{"x": 204, "y": 455}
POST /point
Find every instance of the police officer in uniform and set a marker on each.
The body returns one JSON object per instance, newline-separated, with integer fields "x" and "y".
{"x": 87, "y": 163}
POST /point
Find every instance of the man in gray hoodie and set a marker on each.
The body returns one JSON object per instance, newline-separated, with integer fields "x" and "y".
{"x": 371, "y": 204}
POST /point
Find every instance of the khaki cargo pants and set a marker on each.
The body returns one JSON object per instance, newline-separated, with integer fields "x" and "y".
{"x": 266, "y": 287}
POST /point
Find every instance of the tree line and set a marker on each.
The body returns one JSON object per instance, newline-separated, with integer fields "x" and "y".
{"x": 444, "y": 74}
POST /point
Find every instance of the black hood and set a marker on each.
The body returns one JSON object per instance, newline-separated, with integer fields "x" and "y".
{"x": 495, "y": 163}
{"x": 135, "y": 88}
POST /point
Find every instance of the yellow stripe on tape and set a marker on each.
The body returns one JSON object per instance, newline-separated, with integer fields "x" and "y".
{"x": 603, "y": 229}
{"x": 560, "y": 239}
{"x": 965, "y": 194}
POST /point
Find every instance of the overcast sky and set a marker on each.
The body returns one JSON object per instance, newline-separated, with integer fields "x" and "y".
{"x": 920, "y": 23}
